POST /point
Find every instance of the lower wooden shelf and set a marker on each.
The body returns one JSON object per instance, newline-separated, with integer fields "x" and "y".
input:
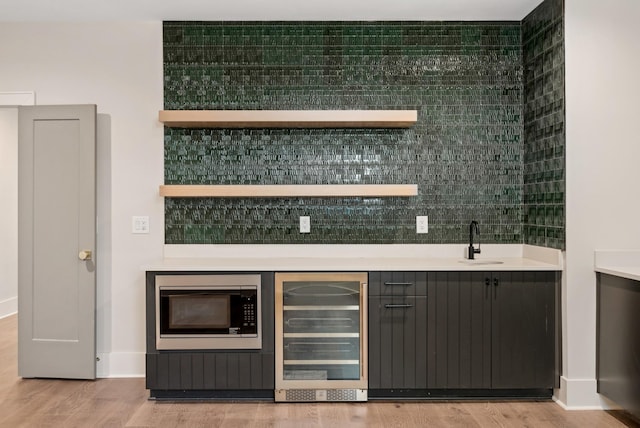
{"x": 287, "y": 190}
{"x": 288, "y": 118}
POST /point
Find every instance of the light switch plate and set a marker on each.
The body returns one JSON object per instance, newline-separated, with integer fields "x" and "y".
{"x": 140, "y": 224}
{"x": 305, "y": 224}
{"x": 422, "y": 224}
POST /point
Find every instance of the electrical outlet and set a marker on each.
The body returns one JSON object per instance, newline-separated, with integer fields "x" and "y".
{"x": 140, "y": 224}
{"x": 305, "y": 224}
{"x": 422, "y": 224}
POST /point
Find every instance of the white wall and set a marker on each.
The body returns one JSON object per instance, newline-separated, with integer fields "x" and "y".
{"x": 603, "y": 174}
{"x": 118, "y": 67}
{"x": 9, "y": 211}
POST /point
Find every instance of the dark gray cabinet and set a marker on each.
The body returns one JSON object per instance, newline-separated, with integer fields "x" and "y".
{"x": 495, "y": 330}
{"x": 206, "y": 370}
{"x": 466, "y": 333}
{"x": 618, "y": 341}
{"x": 212, "y": 373}
{"x": 398, "y": 313}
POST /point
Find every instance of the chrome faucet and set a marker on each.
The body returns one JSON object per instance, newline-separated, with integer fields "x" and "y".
{"x": 472, "y": 250}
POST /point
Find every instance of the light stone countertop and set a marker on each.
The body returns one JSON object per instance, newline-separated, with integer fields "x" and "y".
{"x": 347, "y": 264}
{"x": 622, "y": 263}
{"x": 325, "y": 258}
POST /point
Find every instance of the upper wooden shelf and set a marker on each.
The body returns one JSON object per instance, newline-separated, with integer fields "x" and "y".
{"x": 288, "y": 118}
{"x": 287, "y": 190}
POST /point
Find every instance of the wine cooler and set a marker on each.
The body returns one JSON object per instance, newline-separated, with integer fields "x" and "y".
{"x": 321, "y": 341}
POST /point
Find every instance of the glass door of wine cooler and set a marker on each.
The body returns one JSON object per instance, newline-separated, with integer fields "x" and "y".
{"x": 321, "y": 337}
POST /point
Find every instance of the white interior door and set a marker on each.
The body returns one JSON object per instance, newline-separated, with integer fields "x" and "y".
{"x": 56, "y": 241}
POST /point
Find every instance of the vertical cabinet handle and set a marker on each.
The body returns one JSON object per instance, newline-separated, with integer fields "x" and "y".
{"x": 496, "y": 282}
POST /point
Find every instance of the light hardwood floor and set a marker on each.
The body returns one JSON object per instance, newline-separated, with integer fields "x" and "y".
{"x": 124, "y": 403}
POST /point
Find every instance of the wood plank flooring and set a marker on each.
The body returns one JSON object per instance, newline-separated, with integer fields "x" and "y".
{"x": 124, "y": 403}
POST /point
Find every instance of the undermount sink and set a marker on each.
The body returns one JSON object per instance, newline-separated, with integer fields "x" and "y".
{"x": 481, "y": 262}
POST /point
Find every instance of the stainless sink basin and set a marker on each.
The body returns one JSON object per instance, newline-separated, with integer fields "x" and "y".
{"x": 481, "y": 262}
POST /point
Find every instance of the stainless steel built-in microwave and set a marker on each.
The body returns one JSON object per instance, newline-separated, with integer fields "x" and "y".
{"x": 208, "y": 312}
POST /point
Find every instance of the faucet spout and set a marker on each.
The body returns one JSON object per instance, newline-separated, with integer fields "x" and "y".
{"x": 473, "y": 226}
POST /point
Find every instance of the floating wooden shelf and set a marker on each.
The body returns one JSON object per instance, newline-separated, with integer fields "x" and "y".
{"x": 288, "y": 118}
{"x": 288, "y": 190}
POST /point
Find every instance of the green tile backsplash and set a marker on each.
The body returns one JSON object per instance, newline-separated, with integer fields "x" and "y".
{"x": 544, "y": 132}
{"x": 466, "y": 153}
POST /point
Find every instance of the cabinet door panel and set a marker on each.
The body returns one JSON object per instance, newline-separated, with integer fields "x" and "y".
{"x": 618, "y": 341}
{"x": 397, "y": 342}
{"x": 460, "y": 331}
{"x": 523, "y": 325}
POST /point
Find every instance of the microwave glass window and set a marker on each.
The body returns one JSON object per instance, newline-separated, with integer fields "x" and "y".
{"x": 199, "y": 311}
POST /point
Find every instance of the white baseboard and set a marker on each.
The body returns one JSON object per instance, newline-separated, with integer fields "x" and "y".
{"x": 8, "y": 307}
{"x": 581, "y": 394}
{"x": 120, "y": 364}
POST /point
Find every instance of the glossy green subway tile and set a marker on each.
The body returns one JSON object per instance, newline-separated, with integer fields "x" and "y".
{"x": 465, "y": 80}
{"x": 544, "y": 116}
